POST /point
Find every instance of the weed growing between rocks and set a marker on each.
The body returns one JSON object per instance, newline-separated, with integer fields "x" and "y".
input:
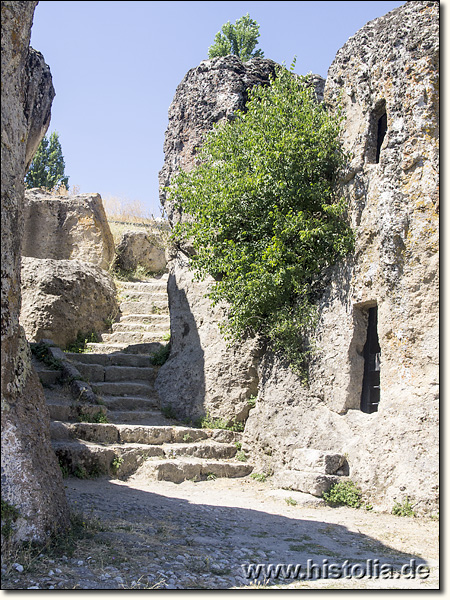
{"x": 403, "y": 509}
{"x": 160, "y": 357}
{"x": 79, "y": 346}
{"x": 209, "y": 422}
{"x": 345, "y": 493}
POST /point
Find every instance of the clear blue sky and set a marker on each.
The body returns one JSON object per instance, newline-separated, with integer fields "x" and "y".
{"x": 116, "y": 66}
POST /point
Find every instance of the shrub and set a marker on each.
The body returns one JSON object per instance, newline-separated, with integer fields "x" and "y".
{"x": 259, "y": 477}
{"x": 344, "y": 493}
{"x": 210, "y": 423}
{"x": 263, "y": 215}
{"x": 159, "y": 357}
{"x": 403, "y": 509}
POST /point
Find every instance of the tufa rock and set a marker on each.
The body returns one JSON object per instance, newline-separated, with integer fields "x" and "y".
{"x": 214, "y": 90}
{"x": 204, "y": 374}
{"x": 64, "y": 298}
{"x": 30, "y": 475}
{"x": 67, "y": 227}
{"x": 386, "y": 79}
{"x": 138, "y": 248}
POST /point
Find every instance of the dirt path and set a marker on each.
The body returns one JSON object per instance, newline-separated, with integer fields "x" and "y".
{"x": 198, "y": 536}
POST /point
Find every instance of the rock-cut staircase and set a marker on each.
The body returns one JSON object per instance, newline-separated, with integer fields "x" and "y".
{"x": 116, "y": 427}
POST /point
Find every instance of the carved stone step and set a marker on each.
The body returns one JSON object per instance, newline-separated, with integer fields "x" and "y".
{"x": 150, "y": 307}
{"x": 305, "y": 481}
{"x": 132, "y": 295}
{"x": 117, "y": 359}
{"x": 154, "y": 327}
{"x": 120, "y": 403}
{"x": 145, "y": 319}
{"x": 134, "y": 337}
{"x": 143, "y": 348}
{"x": 159, "y": 285}
{"x": 124, "y": 388}
{"x": 181, "y": 469}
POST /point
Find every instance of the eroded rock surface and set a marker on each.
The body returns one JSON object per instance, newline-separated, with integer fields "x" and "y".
{"x": 204, "y": 374}
{"x": 67, "y": 227}
{"x": 31, "y": 478}
{"x": 387, "y": 71}
{"x": 214, "y": 90}
{"x": 61, "y": 298}
{"x": 139, "y": 248}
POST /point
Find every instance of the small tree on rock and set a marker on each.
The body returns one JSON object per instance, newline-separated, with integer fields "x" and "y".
{"x": 239, "y": 39}
{"x": 47, "y": 168}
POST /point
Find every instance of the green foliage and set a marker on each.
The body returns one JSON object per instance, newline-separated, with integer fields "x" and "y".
{"x": 98, "y": 417}
{"x": 116, "y": 463}
{"x": 266, "y": 222}
{"x": 241, "y": 456}
{"x": 403, "y": 509}
{"x": 344, "y": 493}
{"x": 41, "y": 351}
{"x": 47, "y": 168}
{"x": 82, "y": 340}
{"x": 290, "y": 501}
{"x": 169, "y": 412}
{"x": 261, "y": 477}
{"x": 239, "y": 39}
{"x": 210, "y": 423}
{"x": 159, "y": 357}
{"x": 251, "y": 401}
{"x": 9, "y": 515}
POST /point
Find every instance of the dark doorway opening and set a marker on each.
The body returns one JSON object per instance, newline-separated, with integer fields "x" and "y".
{"x": 381, "y": 132}
{"x": 370, "y": 396}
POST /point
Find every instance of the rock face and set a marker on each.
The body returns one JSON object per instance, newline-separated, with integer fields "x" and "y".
{"x": 64, "y": 228}
{"x": 204, "y": 375}
{"x": 388, "y": 76}
{"x": 214, "y": 90}
{"x": 31, "y": 478}
{"x": 138, "y": 248}
{"x": 62, "y": 298}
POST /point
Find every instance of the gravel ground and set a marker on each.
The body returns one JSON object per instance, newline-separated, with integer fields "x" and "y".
{"x": 160, "y": 535}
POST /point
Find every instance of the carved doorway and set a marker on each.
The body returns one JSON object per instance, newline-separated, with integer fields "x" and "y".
{"x": 370, "y": 396}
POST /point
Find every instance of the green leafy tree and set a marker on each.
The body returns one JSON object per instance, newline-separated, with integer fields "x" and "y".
{"x": 264, "y": 220}
{"x": 239, "y": 39}
{"x": 47, "y": 168}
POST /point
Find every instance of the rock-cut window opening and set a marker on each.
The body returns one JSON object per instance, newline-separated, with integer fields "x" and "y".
{"x": 370, "y": 396}
{"x": 377, "y": 132}
{"x": 381, "y": 133}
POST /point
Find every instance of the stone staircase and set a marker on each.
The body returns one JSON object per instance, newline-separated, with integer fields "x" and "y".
{"x": 120, "y": 430}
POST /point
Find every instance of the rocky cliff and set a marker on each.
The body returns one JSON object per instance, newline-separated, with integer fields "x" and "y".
{"x": 386, "y": 78}
{"x": 372, "y": 395}
{"x": 31, "y": 478}
{"x": 203, "y": 374}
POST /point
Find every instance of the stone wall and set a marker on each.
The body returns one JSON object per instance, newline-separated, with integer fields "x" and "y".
{"x": 30, "y": 475}
{"x": 390, "y": 66}
{"x": 64, "y": 228}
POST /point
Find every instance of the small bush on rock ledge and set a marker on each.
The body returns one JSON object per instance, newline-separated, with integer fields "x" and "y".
{"x": 265, "y": 221}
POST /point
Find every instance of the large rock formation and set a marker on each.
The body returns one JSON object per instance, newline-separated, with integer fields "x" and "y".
{"x": 386, "y": 77}
{"x": 67, "y": 227}
{"x": 372, "y": 395}
{"x": 214, "y": 90}
{"x": 203, "y": 374}
{"x": 140, "y": 249}
{"x": 31, "y": 478}
{"x": 64, "y": 298}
